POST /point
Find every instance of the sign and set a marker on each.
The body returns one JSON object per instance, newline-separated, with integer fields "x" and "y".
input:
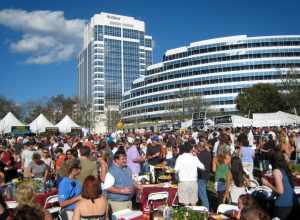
{"x": 163, "y": 127}
{"x": 198, "y": 123}
{"x": 199, "y": 115}
{"x": 76, "y": 132}
{"x": 177, "y": 125}
{"x": 199, "y": 120}
{"x": 51, "y": 131}
{"x": 223, "y": 120}
{"x": 20, "y": 130}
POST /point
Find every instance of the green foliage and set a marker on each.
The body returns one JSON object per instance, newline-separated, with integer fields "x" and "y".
{"x": 184, "y": 213}
{"x": 260, "y": 98}
{"x": 290, "y": 89}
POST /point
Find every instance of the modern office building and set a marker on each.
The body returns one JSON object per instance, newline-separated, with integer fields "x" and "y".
{"x": 217, "y": 69}
{"x": 116, "y": 51}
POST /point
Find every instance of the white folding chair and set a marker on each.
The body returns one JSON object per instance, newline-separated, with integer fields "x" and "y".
{"x": 253, "y": 184}
{"x": 127, "y": 214}
{"x": 52, "y": 204}
{"x": 157, "y": 196}
{"x": 225, "y": 208}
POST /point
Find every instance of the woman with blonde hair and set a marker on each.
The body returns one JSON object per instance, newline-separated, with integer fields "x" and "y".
{"x": 25, "y": 196}
{"x": 103, "y": 161}
{"x": 285, "y": 145}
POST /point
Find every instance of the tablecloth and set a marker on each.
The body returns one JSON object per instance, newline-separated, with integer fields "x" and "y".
{"x": 41, "y": 197}
{"x": 145, "y": 190}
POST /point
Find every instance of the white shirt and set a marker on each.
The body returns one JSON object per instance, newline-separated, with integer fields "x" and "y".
{"x": 186, "y": 165}
{"x": 66, "y": 147}
{"x": 27, "y": 157}
{"x": 109, "y": 181}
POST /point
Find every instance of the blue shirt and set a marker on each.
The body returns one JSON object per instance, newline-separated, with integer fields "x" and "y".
{"x": 67, "y": 189}
{"x": 247, "y": 154}
{"x": 286, "y": 198}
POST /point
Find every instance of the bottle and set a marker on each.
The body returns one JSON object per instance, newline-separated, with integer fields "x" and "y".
{"x": 167, "y": 211}
{"x": 150, "y": 178}
{"x": 151, "y": 211}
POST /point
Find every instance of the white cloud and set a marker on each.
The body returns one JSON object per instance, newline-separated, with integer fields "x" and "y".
{"x": 47, "y": 36}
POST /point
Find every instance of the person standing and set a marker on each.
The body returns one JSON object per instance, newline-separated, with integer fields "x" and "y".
{"x": 119, "y": 183}
{"x": 134, "y": 158}
{"x": 205, "y": 157}
{"x": 26, "y": 157}
{"x": 283, "y": 185}
{"x": 247, "y": 153}
{"x": 186, "y": 166}
{"x": 88, "y": 167}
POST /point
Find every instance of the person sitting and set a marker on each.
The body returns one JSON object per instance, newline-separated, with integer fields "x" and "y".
{"x": 25, "y": 196}
{"x": 3, "y": 208}
{"x": 237, "y": 180}
{"x": 244, "y": 201}
{"x": 38, "y": 168}
{"x": 27, "y": 212}
{"x": 93, "y": 205}
{"x": 254, "y": 213}
{"x": 69, "y": 190}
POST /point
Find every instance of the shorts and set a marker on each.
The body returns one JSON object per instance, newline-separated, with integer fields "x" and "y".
{"x": 188, "y": 192}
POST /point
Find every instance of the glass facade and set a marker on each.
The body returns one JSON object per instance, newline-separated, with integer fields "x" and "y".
{"x": 112, "y": 58}
{"x": 216, "y": 69}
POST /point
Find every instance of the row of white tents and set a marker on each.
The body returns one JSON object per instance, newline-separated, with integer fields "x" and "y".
{"x": 38, "y": 125}
{"x": 274, "y": 119}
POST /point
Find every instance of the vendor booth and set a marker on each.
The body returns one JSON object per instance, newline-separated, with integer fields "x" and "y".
{"x": 275, "y": 119}
{"x": 8, "y": 122}
{"x": 66, "y": 125}
{"x": 40, "y": 124}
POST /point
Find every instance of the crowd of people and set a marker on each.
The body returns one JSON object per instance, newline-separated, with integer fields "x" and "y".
{"x": 98, "y": 174}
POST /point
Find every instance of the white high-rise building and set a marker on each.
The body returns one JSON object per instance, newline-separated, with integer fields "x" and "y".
{"x": 115, "y": 52}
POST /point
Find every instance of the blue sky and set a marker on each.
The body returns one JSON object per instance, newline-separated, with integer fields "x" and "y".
{"x": 32, "y": 68}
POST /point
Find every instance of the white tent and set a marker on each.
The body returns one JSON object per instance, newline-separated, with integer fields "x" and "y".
{"x": 7, "y": 122}
{"x": 40, "y": 124}
{"x": 275, "y": 119}
{"x": 187, "y": 124}
{"x": 66, "y": 124}
{"x": 239, "y": 121}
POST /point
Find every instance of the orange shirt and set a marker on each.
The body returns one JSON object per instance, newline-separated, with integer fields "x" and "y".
{"x": 59, "y": 161}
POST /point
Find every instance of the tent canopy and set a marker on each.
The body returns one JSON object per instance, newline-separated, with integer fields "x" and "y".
{"x": 40, "y": 124}
{"x": 7, "y": 122}
{"x": 66, "y": 125}
{"x": 275, "y": 119}
{"x": 239, "y": 121}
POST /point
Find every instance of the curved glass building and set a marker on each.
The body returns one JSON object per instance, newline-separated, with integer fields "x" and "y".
{"x": 217, "y": 69}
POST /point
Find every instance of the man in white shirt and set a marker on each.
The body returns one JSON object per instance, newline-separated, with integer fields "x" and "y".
{"x": 26, "y": 157}
{"x": 186, "y": 166}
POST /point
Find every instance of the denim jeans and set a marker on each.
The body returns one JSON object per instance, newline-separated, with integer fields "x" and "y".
{"x": 202, "y": 192}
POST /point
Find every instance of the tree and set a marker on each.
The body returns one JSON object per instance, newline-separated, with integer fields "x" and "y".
{"x": 32, "y": 109}
{"x": 54, "y": 108}
{"x": 7, "y": 105}
{"x": 290, "y": 89}
{"x": 260, "y": 98}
